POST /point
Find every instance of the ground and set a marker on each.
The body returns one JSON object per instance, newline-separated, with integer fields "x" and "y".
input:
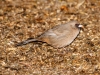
{"x": 22, "y": 19}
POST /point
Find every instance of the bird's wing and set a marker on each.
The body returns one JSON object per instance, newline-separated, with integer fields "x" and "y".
{"x": 60, "y": 30}
{"x": 55, "y": 32}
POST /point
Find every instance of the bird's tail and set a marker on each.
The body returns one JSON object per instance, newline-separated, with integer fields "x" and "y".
{"x": 26, "y": 42}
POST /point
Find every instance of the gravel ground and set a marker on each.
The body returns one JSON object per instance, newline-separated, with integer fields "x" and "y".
{"x": 22, "y": 19}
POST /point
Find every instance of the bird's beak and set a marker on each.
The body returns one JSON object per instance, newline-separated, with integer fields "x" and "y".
{"x": 81, "y": 27}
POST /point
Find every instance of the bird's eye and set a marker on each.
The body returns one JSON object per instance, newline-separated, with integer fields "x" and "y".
{"x": 77, "y": 25}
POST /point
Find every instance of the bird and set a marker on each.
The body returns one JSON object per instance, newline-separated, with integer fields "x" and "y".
{"x": 58, "y": 36}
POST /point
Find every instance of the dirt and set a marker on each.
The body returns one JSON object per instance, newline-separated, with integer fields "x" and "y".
{"x": 22, "y": 19}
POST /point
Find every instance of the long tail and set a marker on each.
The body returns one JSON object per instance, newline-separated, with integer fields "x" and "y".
{"x": 26, "y": 42}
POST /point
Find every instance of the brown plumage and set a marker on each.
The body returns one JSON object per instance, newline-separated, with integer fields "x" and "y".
{"x": 59, "y": 36}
